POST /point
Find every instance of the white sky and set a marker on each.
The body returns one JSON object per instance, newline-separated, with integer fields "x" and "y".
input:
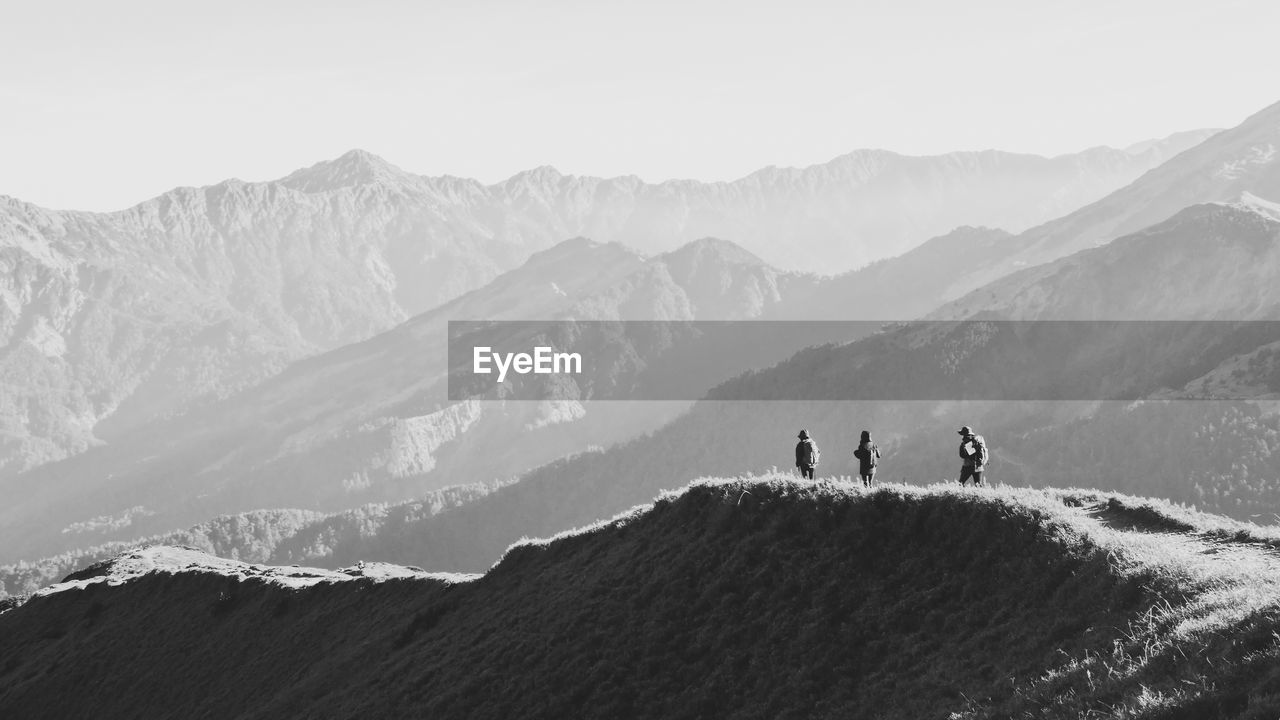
{"x": 104, "y": 104}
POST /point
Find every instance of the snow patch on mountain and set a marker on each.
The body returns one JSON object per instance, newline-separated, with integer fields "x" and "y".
{"x": 1257, "y": 155}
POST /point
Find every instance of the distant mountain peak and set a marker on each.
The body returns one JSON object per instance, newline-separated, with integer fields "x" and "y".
{"x": 354, "y": 167}
{"x": 576, "y": 248}
{"x": 972, "y": 231}
{"x": 726, "y": 250}
{"x": 568, "y": 247}
{"x": 541, "y": 175}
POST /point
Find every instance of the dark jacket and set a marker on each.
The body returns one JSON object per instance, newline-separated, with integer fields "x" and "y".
{"x": 806, "y": 456}
{"x": 868, "y": 457}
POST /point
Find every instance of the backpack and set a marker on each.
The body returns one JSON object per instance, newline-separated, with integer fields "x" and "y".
{"x": 809, "y": 453}
{"x": 979, "y": 454}
{"x": 866, "y": 453}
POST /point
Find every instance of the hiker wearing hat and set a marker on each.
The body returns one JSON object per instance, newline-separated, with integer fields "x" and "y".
{"x": 807, "y": 454}
{"x": 973, "y": 450}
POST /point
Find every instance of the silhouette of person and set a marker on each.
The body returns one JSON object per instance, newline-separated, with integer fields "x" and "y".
{"x": 973, "y": 451}
{"x": 868, "y": 456}
{"x": 806, "y": 455}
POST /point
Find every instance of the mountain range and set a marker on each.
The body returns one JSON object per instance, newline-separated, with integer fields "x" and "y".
{"x": 1224, "y": 168}
{"x": 368, "y": 422}
{"x": 1210, "y": 261}
{"x": 371, "y": 422}
{"x": 111, "y": 320}
{"x": 723, "y": 436}
{"x": 282, "y": 345}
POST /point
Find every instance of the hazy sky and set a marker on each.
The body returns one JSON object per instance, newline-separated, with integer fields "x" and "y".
{"x": 104, "y": 104}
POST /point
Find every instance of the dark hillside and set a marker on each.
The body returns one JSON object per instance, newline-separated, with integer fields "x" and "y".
{"x": 745, "y": 599}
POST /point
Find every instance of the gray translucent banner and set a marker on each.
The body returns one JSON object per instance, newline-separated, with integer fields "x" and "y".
{"x": 998, "y": 360}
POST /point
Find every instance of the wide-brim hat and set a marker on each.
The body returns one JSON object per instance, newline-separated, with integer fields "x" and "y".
{"x": 966, "y": 430}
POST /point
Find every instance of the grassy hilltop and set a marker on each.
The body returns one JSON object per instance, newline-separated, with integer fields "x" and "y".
{"x": 745, "y": 598}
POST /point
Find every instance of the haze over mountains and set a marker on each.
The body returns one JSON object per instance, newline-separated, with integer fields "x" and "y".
{"x": 113, "y": 319}
{"x": 1183, "y": 447}
{"x": 322, "y": 387}
{"x": 1211, "y": 261}
{"x": 371, "y": 421}
{"x": 1224, "y": 168}
{"x": 723, "y": 436}
{"x": 1232, "y": 166}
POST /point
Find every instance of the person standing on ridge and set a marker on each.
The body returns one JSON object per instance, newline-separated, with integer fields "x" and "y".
{"x": 807, "y": 454}
{"x": 868, "y": 456}
{"x": 973, "y": 450}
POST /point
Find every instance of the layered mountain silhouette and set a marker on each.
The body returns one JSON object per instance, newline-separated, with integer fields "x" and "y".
{"x": 112, "y": 319}
{"x": 743, "y": 599}
{"x": 1212, "y": 261}
{"x": 1225, "y": 168}
{"x": 1233, "y": 166}
{"x": 282, "y": 345}
{"x": 372, "y": 421}
{"x": 725, "y": 436}
{"x": 368, "y": 422}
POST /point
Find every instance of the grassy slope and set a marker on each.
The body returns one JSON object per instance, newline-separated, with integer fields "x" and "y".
{"x": 747, "y": 598}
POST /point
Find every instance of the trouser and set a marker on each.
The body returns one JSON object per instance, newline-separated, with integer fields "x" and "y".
{"x": 867, "y": 477}
{"x": 969, "y": 471}
{"x": 806, "y": 471}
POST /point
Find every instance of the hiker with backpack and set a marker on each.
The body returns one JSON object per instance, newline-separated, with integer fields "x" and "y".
{"x": 868, "y": 456}
{"x": 973, "y": 451}
{"x": 807, "y": 455}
